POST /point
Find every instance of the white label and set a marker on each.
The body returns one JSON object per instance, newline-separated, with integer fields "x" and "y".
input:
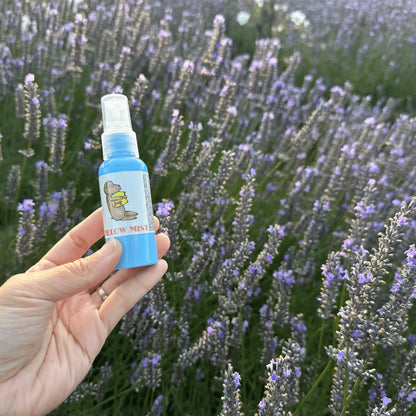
{"x": 127, "y": 204}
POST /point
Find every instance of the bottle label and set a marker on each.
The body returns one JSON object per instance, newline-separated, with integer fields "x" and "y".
{"x": 127, "y": 204}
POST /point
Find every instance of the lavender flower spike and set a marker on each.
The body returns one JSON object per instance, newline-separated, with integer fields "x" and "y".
{"x": 26, "y": 230}
{"x": 32, "y": 108}
{"x": 231, "y": 405}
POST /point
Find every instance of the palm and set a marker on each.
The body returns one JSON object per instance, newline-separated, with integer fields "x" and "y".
{"x": 77, "y": 320}
{"x": 62, "y": 355}
{"x": 51, "y": 330}
{"x": 76, "y": 329}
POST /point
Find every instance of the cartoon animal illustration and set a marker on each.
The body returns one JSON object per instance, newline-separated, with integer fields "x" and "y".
{"x": 116, "y": 199}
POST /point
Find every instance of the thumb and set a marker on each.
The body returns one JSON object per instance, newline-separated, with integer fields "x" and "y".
{"x": 71, "y": 278}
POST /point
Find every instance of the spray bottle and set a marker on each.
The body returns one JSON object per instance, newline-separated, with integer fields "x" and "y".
{"x": 124, "y": 187}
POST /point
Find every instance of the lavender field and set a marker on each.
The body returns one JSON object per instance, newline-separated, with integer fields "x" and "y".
{"x": 281, "y": 142}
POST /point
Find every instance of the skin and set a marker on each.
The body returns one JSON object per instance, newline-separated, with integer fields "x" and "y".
{"x": 53, "y": 323}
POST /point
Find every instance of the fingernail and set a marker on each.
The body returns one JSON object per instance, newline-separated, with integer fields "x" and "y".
{"x": 109, "y": 247}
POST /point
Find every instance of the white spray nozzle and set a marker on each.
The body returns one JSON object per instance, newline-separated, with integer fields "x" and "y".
{"x": 118, "y": 135}
{"x": 116, "y": 113}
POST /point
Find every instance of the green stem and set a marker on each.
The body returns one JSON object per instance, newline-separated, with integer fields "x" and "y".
{"x": 243, "y": 371}
{"x": 314, "y": 386}
{"x": 397, "y": 359}
{"x": 116, "y": 396}
{"x": 19, "y": 185}
{"x": 273, "y": 170}
{"x": 349, "y": 398}
{"x": 328, "y": 366}
{"x": 344, "y": 399}
{"x": 321, "y": 340}
{"x": 72, "y": 92}
{"x": 341, "y": 303}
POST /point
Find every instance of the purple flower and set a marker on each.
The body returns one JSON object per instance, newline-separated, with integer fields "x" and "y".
{"x": 199, "y": 375}
{"x": 29, "y": 78}
{"x": 301, "y": 327}
{"x": 364, "y": 277}
{"x": 364, "y": 210}
{"x": 208, "y": 237}
{"x": 47, "y": 210}
{"x": 370, "y": 121}
{"x": 157, "y": 408}
{"x": 395, "y": 288}
{"x": 372, "y": 394}
{"x": 276, "y": 229}
{"x": 164, "y": 208}
{"x": 40, "y": 164}
{"x": 237, "y": 379}
{"x": 164, "y": 34}
{"x": 411, "y": 253}
{"x": 62, "y": 123}
{"x": 401, "y": 221}
{"x": 117, "y": 89}
{"x": 412, "y": 339}
{"x": 347, "y": 243}
{"x": 87, "y": 144}
{"x": 386, "y": 401}
{"x": 27, "y": 205}
{"x": 284, "y": 275}
{"x": 411, "y": 396}
{"x": 144, "y": 362}
{"x": 274, "y": 377}
{"x": 271, "y": 365}
{"x": 156, "y": 359}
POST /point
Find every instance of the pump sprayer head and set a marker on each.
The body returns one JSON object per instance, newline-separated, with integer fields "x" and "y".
{"x": 118, "y": 135}
{"x": 116, "y": 114}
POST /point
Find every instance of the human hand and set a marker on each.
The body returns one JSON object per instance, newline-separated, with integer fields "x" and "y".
{"x": 53, "y": 323}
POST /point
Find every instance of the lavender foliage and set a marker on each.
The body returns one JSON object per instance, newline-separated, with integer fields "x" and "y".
{"x": 288, "y": 199}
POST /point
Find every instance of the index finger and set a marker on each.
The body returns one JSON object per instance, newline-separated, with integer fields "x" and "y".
{"x": 74, "y": 244}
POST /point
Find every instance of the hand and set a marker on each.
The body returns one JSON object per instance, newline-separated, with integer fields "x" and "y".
{"x": 53, "y": 322}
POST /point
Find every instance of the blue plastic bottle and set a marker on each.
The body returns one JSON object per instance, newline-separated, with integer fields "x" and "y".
{"x": 124, "y": 187}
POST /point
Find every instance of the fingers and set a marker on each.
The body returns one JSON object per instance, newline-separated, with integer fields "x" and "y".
{"x": 128, "y": 286}
{"x": 81, "y": 275}
{"x": 125, "y": 296}
{"x": 75, "y": 244}
{"x": 162, "y": 243}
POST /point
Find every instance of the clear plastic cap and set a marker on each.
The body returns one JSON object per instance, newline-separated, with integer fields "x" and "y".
{"x": 116, "y": 113}
{"x": 118, "y": 135}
